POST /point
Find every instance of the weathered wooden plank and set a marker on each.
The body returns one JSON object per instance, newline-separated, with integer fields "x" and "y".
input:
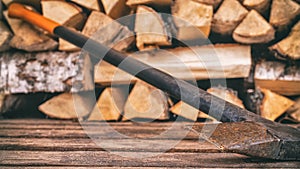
{"x": 87, "y": 144}
{"x": 76, "y": 126}
{"x": 102, "y": 158}
{"x": 57, "y": 124}
{"x": 103, "y": 132}
{"x": 63, "y": 152}
{"x": 89, "y": 167}
{"x": 30, "y": 122}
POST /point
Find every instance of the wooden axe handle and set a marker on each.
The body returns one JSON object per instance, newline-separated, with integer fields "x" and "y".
{"x": 19, "y": 11}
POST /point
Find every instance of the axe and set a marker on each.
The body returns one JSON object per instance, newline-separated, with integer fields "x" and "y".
{"x": 251, "y": 134}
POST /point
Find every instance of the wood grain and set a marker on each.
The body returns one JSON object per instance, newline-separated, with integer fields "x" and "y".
{"x": 45, "y": 144}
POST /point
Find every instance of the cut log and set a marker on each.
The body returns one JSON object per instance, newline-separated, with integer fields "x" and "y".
{"x": 146, "y": 102}
{"x": 44, "y": 72}
{"x": 191, "y": 113}
{"x": 259, "y": 5}
{"x": 110, "y": 105}
{"x": 226, "y": 94}
{"x": 134, "y": 3}
{"x": 2, "y": 101}
{"x": 253, "y": 29}
{"x": 186, "y": 63}
{"x": 283, "y": 12}
{"x": 278, "y": 77}
{"x": 193, "y": 19}
{"x": 34, "y": 4}
{"x": 68, "y": 106}
{"x": 90, "y": 4}
{"x": 228, "y": 16}
{"x": 7, "y": 2}
{"x": 150, "y": 28}
{"x": 214, "y": 3}
{"x": 290, "y": 46}
{"x": 5, "y": 37}
{"x": 108, "y": 32}
{"x": 66, "y": 14}
{"x": 67, "y": 46}
{"x": 294, "y": 111}
{"x": 27, "y": 37}
{"x": 59, "y": 11}
{"x": 115, "y": 8}
{"x": 273, "y": 105}
{"x": 184, "y": 110}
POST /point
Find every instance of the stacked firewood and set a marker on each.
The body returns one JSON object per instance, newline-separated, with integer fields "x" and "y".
{"x": 254, "y": 42}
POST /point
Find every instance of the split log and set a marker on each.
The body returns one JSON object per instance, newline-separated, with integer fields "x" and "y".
{"x": 283, "y": 12}
{"x": 278, "y": 77}
{"x": 150, "y": 28}
{"x": 2, "y": 100}
{"x": 253, "y": 29}
{"x": 6, "y": 2}
{"x": 66, "y": 14}
{"x": 273, "y": 105}
{"x": 115, "y": 8}
{"x": 110, "y": 105}
{"x": 228, "y": 16}
{"x": 89, "y": 4}
{"x": 226, "y": 94}
{"x": 59, "y": 11}
{"x": 108, "y": 32}
{"x": 184, "y": 110}
{"x": 35, "y": 4}
{"x": 44, "y": 72}
{"x": 259, "y": 5}
{"x": 191, "y": 113}
{"x": 294, "y": 111}
{"x": 5, "y": 37}
{"x": 163, "y": 3}
{"x": 214, "y": 3}
{"x": 190, "y": 15}
{"x": 27, "y": 37}
{"x": 290, "y": 46}
{"x": 186, "y": 63}
{"x": 188, "y": 112}
{"x": 146, "y": 102}
{"x": 68, "y": 105}
{"x": 67, "y": 46}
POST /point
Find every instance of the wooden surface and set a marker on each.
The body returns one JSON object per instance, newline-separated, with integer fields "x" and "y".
{"x": 63, "y": 144}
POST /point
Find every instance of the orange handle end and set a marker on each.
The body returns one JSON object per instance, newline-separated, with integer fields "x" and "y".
{"x": 16, "y": 10}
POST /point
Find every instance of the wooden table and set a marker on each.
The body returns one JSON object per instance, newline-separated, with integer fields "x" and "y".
{"x": 64, "y": 144}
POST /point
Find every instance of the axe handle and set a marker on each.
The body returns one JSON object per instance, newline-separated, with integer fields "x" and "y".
{"x": 190, "y": 94}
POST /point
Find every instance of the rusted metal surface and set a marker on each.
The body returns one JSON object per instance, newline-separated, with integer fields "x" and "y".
{"x": 255, "y": 139}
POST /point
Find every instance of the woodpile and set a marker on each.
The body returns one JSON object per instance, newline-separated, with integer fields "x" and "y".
{"x": 255, "y": 43}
